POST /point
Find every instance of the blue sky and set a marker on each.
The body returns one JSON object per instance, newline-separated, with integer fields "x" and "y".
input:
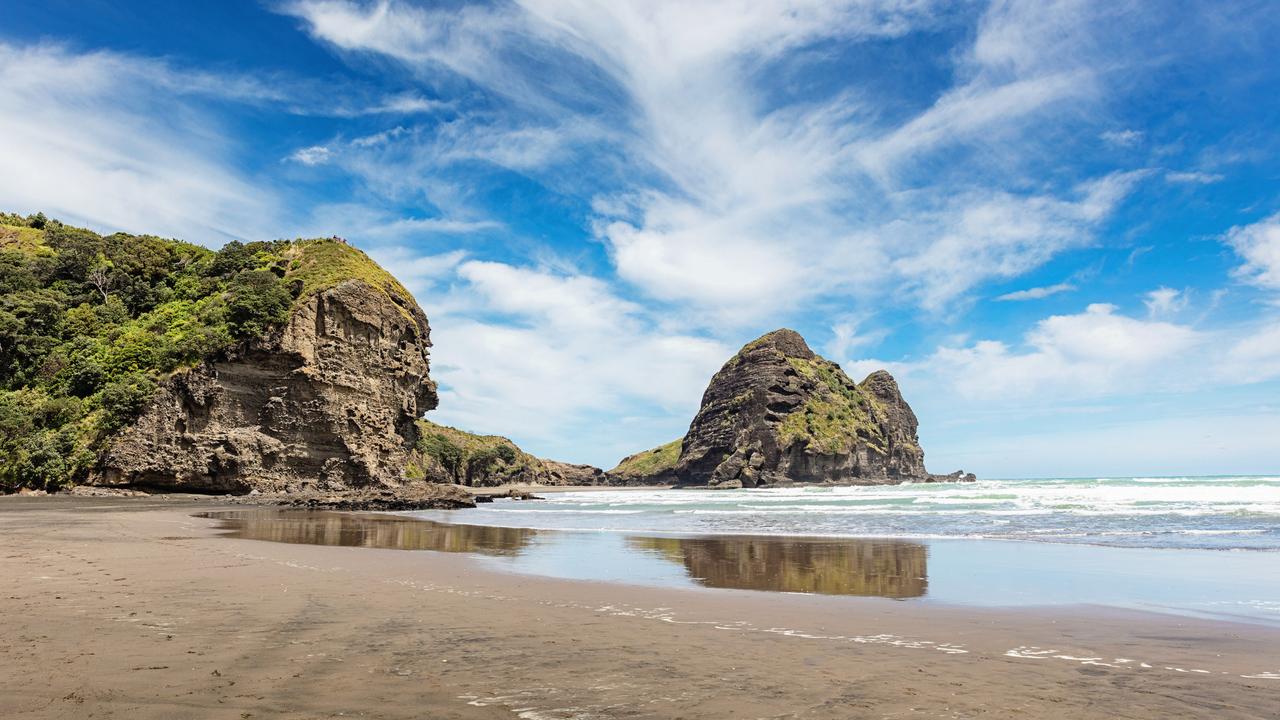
{"x": 1057, "y": 223}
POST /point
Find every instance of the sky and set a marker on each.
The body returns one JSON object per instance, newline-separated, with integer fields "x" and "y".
{"x": 1057, "y": 223}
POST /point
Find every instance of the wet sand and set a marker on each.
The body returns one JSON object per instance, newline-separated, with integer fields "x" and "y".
{"x": 136, "y": 609}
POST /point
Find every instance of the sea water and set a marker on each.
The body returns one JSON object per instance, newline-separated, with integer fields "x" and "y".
{"x": 1215, "y": 512}
{"x": 1200, "y": 546}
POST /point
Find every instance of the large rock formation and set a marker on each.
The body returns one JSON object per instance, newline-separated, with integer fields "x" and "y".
{"x": 328, "y": 402}
{"x": 777, "y": 413}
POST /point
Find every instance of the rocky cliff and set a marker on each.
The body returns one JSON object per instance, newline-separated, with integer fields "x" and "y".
{"x": 327, "y": 402}
{"x": 778, "y": 413}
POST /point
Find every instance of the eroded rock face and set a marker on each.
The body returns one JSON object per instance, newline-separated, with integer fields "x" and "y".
{"x": 327, "y": 403}
{"x": 778, "y": 413}
{"x": 562, "y": 473}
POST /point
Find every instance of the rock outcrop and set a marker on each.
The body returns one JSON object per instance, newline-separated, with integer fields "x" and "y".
{"x": 326, "y": 403}
{"x": 778, "y": 413}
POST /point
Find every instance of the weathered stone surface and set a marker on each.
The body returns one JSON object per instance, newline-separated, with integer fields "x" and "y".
{"x": 414, "y": 496}
{"x": 327, "y": 403}
{"x": 778, "y": 413}
{"x": 561, "y": 473}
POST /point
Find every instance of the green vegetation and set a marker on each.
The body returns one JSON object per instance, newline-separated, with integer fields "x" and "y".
{"x": 90, "y": 325}
{"x": 837, "y": 411}
{"x": 446, "y": 454}
{"x": 650, "y": 462}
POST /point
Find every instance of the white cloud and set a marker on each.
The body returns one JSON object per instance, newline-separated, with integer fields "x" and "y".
{"x": 314, "y": 155}
{"x": 1259, "y": 245}
{"x": 1253, "y": 358}
{"x": 848, "y": 336}
{"x": 729, "y": 204}
{"x": 1165, "y": 301}
{"x": 102, "y": 139}
{"x": 1064, "y": 357}
{"x": 1195, "y": 178}
{"x": 1036, "y": 293}
{"x": 1123, "y": 138}
{"x": 537, "y": 354}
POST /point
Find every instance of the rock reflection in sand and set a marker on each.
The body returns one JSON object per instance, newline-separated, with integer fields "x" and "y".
{"x": 881, "y": 568}
{"x": 311, "y": 527}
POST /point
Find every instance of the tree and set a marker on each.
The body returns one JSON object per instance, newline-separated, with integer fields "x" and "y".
{"x": 257, "y": 301}
{"x": 100, "y": 277}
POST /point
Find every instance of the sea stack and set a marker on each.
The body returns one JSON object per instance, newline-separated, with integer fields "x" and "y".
{"x": 779, "y": 413}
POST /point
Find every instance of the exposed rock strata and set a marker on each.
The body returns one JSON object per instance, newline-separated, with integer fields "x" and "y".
{"x": 778, "y": 413}
{"x": 326, "y": 403}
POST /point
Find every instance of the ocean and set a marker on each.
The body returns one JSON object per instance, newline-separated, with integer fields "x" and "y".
{"x": 1211, "y": 512}
{"x": 1194, "y": 546}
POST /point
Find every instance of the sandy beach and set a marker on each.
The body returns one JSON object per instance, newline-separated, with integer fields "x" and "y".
{"x": 134, "y": 608}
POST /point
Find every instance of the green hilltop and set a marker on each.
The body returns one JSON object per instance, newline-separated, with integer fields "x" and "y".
{"x": 650, "y": 463}
{"x": 447, "y": 454}
{"x": 91, "y": 324}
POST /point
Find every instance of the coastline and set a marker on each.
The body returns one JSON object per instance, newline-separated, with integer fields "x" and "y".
{"x": 135, "y": 608}
{"x": 503, "y": 490}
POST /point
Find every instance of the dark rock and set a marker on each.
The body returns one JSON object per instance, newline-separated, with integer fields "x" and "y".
{"x": 416, "y": 496}
{"x": 778, "y": 413}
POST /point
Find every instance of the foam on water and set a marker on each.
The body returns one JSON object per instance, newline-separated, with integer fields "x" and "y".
{"x": 1217, "y": 512}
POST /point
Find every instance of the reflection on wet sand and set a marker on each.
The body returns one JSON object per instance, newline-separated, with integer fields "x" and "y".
{"x": 882, "y": 568}
{"x": 311, "y": 527}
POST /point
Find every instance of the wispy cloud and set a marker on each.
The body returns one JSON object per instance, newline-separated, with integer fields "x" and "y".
{"x": 87, "y": 137}
{"x": 541, "y": 355}
{"x": 1123, "y": 138}
{"x": 1194, "y": 178}
{"x": 1259, "y": 245}
{"x": 1165, "y": 301}
{"x": 1036, "y": 293}
{"x": 731, "y": 204}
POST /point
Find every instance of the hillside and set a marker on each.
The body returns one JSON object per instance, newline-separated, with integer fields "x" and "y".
{"x": 97, "y": 333}
{"x": 650, "y": 467}
{"x": 448, "y": 455}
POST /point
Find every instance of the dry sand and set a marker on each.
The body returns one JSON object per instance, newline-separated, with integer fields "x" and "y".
{"x": 134, "y": 609}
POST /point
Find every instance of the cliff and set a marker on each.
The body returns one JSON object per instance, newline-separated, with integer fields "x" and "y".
{"x": 326, "y": 402}
{"x": 778, "y": 413}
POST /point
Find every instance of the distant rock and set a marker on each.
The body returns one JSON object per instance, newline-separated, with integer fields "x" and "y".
{"x": 778, "y": 413}
{"x": 411, "y": 496}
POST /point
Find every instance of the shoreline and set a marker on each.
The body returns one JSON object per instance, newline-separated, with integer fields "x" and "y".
{"x": 134, "y": 608}
{"x": 502, "y": 490}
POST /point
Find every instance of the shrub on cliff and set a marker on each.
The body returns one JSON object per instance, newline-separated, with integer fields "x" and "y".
{"x": 90, "y": 325}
